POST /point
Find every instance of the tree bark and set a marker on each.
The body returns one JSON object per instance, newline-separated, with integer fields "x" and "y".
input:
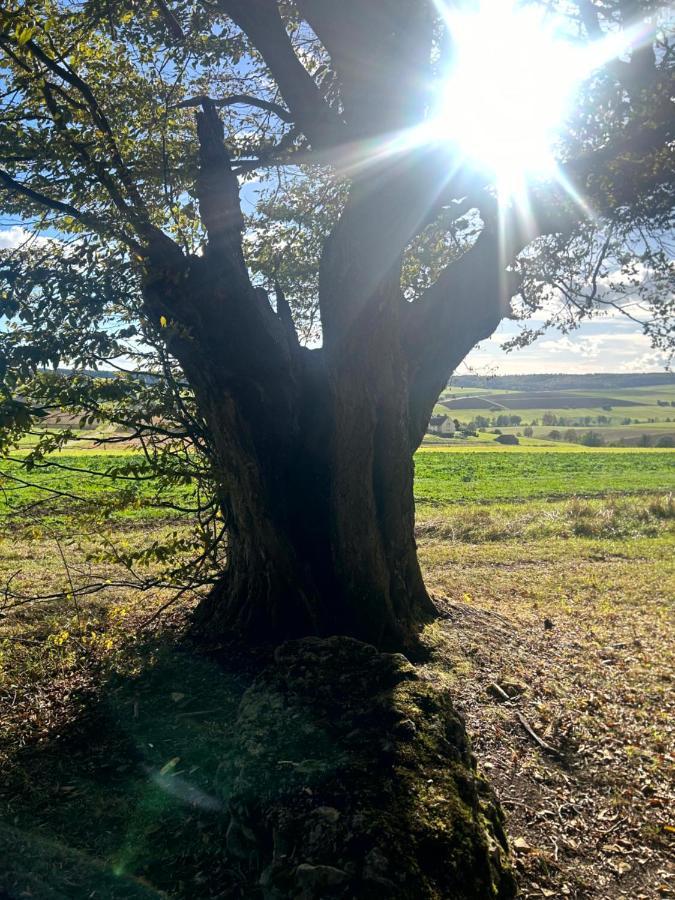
{"x": 319, "y": 498}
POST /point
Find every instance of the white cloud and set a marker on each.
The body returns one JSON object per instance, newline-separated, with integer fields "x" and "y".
{"x": 11, "y": 238}
{"x": 598, "y": 346}
{"x": 17, "y": 235}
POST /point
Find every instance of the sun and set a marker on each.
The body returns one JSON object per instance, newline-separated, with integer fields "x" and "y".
{"x": 509, "y": 89}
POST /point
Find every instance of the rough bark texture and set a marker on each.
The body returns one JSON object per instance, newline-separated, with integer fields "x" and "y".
{"x": 321, "y": 510}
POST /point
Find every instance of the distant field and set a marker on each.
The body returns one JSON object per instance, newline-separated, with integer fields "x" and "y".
{"x": 446, "y": 476}
{"x": 535, "y": 400}
{"x": 631, "y": 417}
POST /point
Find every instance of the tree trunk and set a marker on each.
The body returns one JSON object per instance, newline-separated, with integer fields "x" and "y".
{"x": 318, "y": 491}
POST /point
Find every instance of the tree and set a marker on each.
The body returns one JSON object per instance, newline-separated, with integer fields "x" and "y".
{"x": 128, "y": 130}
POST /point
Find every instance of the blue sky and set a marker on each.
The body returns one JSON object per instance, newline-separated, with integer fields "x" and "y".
{"x": 612, "y": 344}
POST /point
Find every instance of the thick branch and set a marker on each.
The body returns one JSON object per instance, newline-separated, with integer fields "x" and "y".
{"x": 217, "y": 187}
{"x": 261, "y": 22}
{"x": 382, "y": 56}
{"x": 463, "y": 307}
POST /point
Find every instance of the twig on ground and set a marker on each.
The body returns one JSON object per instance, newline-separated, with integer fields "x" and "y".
{"x": 535, "y": 737}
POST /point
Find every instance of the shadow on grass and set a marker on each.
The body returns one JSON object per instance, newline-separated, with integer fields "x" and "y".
{"x": 130, "y": 792}
{"x": 336, "y": 771}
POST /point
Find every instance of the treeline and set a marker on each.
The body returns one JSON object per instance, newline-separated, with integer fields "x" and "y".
{"x": 596, "y": 439}
{"x": 506, "y": 420}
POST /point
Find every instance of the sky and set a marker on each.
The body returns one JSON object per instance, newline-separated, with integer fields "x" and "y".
{"x": 613, "y": 344}
{"x": 604, "y": 345}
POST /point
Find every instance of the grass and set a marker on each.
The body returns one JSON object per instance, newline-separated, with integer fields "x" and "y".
{"x": 443, "y": 477}
{"x": 568, "y": 605}
{"x": 53, "y": 492}
{"x": 482, "y": 472}
{"x": 112, "y": 738}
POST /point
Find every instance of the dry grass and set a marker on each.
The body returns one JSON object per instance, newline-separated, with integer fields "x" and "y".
{"x": 566, "y": 605}
{"x": 579, "y": 629}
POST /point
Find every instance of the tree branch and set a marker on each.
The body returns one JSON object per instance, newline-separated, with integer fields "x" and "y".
{"x": 388, "y": 46}
{"x": 238, "y": 99}
{"x": 93, "y": 222}
{"x": 217, "y": 188}
{"x": 464, "y": 306}
{"x": 261, "y": 22}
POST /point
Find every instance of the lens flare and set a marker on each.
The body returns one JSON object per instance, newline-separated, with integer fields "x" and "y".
{"x": 510, "y": 87}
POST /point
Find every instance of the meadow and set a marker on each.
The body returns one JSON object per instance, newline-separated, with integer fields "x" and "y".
{"x": 480, "y": 473}
{"x": 554, "y": 574}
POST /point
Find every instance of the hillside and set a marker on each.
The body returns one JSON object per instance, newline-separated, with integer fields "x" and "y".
{"x": 563, "y": 382}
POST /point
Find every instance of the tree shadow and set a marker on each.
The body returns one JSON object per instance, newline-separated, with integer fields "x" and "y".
{"x": 332, "y": 770}
{"x": 133, "y": 786}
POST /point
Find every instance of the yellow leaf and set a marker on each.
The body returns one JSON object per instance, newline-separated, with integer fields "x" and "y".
{"x": 162, "y": 321}
{"x": 172, "y": 763}
{"x": 23, "y": 35}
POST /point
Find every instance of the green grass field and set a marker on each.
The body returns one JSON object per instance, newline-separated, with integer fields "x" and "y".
{"x": 448, "y": 474}
{"x": 522, "y": 474}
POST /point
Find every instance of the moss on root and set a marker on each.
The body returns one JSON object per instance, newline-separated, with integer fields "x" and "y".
{"x": 352, "y": 777}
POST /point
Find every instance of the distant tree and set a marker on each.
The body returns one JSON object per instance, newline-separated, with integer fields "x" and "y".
{"x": 554, "y": 435}
{"x": 507, "y": 439}
{"x": 571, "y": 435}
{"x": 592, "y": 439}
{"x": 527, "y": 431}
{"x": 645, "y": 440}
{"x": 666, "y": 440}
{"x": 549, "y": 418}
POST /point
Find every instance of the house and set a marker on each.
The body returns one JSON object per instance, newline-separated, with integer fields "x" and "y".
{"x": 442, "y": 426}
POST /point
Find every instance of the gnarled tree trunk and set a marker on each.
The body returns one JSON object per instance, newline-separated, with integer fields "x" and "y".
{"x": 318, "y": 488}
{"x": 314, "y": 447}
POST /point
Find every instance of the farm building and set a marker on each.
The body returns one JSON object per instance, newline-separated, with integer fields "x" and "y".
{"x": 441, "y": 425}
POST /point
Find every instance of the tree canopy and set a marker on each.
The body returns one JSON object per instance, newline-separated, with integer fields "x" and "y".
{"x": 218, "y": 192}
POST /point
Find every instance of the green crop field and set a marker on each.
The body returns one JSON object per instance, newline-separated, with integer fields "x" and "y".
{"x": 443, "y": 476}
{"x": 480, "y": 473}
